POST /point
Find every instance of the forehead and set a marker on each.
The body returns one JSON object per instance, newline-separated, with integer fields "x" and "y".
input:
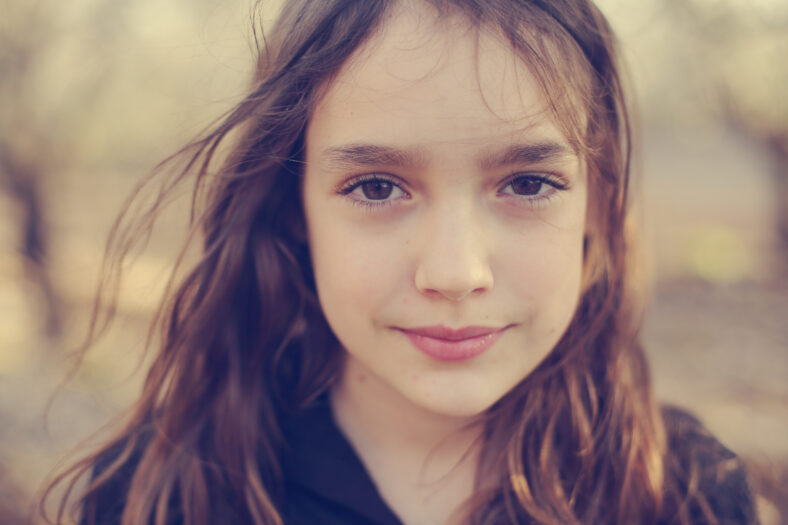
{"x": 427, "y": 80}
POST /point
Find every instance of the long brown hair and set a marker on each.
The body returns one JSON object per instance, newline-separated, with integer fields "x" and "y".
{"x": 244, "y": 341}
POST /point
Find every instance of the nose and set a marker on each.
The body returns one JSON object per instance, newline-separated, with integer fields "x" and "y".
{"x": 454, "y": 260}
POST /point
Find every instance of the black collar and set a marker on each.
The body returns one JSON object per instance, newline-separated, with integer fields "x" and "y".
{"x": 324, "y": 473}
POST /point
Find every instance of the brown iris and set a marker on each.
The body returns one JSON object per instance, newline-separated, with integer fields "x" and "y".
{"x": 526, "y": 186}
{"x": 377, "y": 189}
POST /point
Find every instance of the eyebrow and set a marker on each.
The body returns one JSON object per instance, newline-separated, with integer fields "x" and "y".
{"x": 371, "y": 155}
{"x": 355, "y": 155}
{"x": 526, "y": 154}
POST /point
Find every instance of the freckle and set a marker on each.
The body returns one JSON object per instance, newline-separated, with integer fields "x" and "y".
{"x": 362, "y": 378}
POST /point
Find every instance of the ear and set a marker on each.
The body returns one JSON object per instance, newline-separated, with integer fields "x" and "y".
{"x": 294, "y": 220}
{"x": 297, "y": 226}
{"x": 594, "y": 262}
{"x": 594, "y": 241}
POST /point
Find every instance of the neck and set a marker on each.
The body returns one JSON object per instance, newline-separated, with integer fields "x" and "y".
{"x": 418, "y": 459}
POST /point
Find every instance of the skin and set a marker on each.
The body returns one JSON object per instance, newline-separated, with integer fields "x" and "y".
{"x": 444, "y": 239}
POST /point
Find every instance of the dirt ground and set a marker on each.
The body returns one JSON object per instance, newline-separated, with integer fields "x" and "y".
{"x": 719, "y": 351}
{"x": 716, "y": 329}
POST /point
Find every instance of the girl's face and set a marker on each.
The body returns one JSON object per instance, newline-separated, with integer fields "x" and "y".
{"x": 446, "y": 215}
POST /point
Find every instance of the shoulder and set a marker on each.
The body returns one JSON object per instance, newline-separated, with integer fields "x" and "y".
{"x": 113, "y": 471}
{"x": 105, "y": 505}
{"x": 705, "y": 482}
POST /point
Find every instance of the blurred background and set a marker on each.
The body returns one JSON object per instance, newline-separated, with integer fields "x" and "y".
{"x": 93, "y": 93}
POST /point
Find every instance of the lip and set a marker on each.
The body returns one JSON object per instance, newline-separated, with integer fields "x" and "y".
{"x": 446, "y": 344}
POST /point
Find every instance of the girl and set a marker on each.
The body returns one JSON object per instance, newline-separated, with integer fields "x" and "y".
{"x": 413, "y": 303}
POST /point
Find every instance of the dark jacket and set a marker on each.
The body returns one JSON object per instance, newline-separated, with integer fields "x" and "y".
{"x": 326, "y": 483}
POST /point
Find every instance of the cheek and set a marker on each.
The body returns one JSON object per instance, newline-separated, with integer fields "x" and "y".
{"x": 544, "y": 272}
{"x": 355, "y": 271}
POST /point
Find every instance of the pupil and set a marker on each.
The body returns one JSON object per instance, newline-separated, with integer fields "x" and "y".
{"x": 524, "y": 186}
{"x": 377, "y": 189}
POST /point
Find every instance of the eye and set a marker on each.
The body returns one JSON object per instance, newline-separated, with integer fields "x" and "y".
{"x": 377, "y": 190}
{"x": 535, "y": 185}
{"x": 374, "y": 190}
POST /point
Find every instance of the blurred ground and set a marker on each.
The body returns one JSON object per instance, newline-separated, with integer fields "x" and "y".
{"x": 717, "y": 344}
{"x": 716, "y": 329}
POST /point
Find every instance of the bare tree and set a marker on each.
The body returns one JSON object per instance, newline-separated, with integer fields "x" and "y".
{"x": 44, "y": 110}
{"x": 741, "y": 51}
{"x": 25, "y": 155}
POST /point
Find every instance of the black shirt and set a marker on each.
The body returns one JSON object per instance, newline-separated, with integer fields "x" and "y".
{"x": 326, "y": 483}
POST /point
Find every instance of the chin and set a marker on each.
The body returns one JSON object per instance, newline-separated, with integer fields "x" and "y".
{"x": 456, "y": 402}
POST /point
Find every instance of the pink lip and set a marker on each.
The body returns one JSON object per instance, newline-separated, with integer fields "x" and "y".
{"x": 444, "y": 344}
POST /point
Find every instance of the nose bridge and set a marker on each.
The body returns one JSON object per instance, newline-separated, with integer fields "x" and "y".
{"x": 454, "y": 259}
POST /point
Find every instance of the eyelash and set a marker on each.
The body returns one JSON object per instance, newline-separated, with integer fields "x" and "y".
{"x": 534, "y": 201}
{"x": 356, "y": 183}
{"x": 557, "y": 184}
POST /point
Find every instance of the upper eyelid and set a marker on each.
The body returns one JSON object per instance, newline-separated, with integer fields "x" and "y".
{"x": 349, "y": 185}
{"x": 558, "y": 181}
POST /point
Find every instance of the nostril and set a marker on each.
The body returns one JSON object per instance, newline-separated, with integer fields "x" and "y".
{"x": 456, "y": 291}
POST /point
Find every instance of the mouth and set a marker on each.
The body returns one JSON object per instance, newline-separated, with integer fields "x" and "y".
{"x": 446, "y": 344}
